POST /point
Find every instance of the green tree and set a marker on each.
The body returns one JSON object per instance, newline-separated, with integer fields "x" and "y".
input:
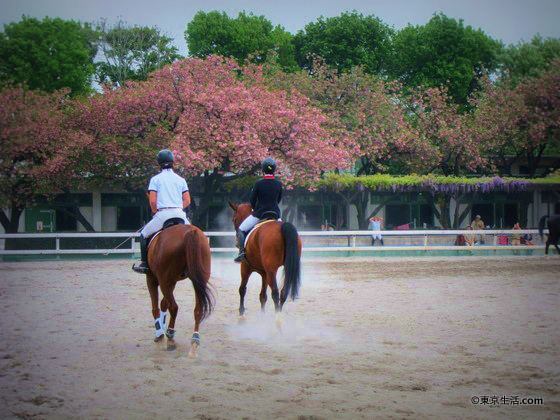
{"x": 247, "y": 36}
{"x": 345, "y": 41}
{"x": 529, "y": 59}
{"x": 131, "y": 52}
{"x": 446, "y": 53}
{"x": 51, "y": 54}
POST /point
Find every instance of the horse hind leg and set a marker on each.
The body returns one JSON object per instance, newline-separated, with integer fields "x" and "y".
{"x": 275, "y": 294}
{"x": 556, "y": 246}
{"x": 195, "y": 340}
{"x": 262, "y": 296}
{"x": 173, "y": 310}
{"x": 152, "y": 284}
{"x": 164, "y": 313}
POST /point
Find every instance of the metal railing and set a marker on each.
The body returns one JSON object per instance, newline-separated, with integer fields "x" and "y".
{"x": 351, "y": 243}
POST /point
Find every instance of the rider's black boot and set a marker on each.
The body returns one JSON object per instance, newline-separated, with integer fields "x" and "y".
{"x": 241, "y": 244}
{"x": 143, "y": 266}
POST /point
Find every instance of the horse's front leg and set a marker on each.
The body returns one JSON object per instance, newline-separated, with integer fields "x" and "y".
{"x": 245, "y": 273}
{"x": 152, "y": 283}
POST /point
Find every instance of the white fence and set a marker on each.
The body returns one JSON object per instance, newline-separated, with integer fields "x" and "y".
{"x": 351, "y": 242}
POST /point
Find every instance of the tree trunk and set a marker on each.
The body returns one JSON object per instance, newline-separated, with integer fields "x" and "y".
{"x": 76, "y": 213}
{"x": 459, "y": 220}
{"x": 442, "y": 213}
{"x": 11, "y": 225}
{"x": 212, "y": 182}
{"x": 360, "y": 202}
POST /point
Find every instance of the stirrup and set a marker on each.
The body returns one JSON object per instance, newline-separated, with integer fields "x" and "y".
{"x": 142, "y": 268}
{"x": 240, "y": 257}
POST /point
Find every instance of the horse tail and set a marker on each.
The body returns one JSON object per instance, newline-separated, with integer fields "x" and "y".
{"x": 292, "y": 264}
{"x": 198, "y": 268}
{"x": 541, "y": 226}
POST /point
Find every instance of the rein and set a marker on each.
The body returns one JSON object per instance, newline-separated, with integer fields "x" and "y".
{"x": 121, "y": 244}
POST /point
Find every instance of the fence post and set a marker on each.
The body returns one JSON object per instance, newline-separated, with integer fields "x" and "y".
{"x": 425, "y": 240}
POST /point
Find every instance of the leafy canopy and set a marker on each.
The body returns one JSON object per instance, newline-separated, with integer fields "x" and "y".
{"x": 445, "y": 53}
{"x": 51, "y": 54}
{"x": 131, "y": 52}
{"x": 247, "y": 36}
{"x": 529, "y": 59}
{"x": 345, "y": 41}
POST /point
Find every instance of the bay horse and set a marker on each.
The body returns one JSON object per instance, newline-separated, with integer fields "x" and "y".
{"x": 553, "y": 226}
{"x": 270, "y": 246}
{"x": 178, "y": 252}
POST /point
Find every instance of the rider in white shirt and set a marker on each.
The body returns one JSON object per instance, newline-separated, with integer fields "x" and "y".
{"x": 169, "y": 195}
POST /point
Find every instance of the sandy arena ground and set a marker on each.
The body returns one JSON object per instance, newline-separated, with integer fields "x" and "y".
{"x": 395, "y": 338}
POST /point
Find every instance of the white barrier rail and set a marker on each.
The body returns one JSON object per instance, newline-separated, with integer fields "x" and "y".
{"x": 351, "y": 236}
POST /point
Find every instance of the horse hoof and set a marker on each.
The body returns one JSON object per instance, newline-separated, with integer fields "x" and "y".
{"x": 193, "y": 352}
{"x": 158, "y": 339}
{"x": 171, "y": 346}
{"x": 170, "y": 333}
{"x": 279, "y": 321}
{"x": 242, "y": 319}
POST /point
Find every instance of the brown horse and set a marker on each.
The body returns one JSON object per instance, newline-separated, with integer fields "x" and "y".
{"x": 179, "y": 252}
{"x": 272, "y": 245}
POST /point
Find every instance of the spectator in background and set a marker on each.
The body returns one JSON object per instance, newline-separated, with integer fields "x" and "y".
{"x": 516, "y": 237}
{"x": 478, "y": 224}
{"x": 376, "y": 224}
{"x": 469, "y": 237}
{"x": 460, "y": 240}
{"x": 527, "y": 239}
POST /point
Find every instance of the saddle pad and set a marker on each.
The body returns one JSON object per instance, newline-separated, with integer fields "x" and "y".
{"x": 154, "y": 236}
{"x": 258, "y": 225}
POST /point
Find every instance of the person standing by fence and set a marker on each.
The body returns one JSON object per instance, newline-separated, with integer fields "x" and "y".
{"x": 375, "y": 224}
{"x": 478, "y": 224}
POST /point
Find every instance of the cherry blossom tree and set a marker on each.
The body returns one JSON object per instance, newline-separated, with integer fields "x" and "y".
{"x": 40, "y": 149}
{"x": 522, "y": 123}
{"x": 220, "y": 126}
{"x": 367, "y": 113}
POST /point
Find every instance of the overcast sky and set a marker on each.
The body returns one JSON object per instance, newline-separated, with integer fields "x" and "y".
{"x": 508, "y": 20}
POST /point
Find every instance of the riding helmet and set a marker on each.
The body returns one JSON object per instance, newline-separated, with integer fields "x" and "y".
{"x": 165, "y": 158}
{"x": 269, "y": 166}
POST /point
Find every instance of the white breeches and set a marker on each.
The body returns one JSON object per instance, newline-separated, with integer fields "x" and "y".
{"x": 249, "y": 223}
{"x": 160, "y": 218}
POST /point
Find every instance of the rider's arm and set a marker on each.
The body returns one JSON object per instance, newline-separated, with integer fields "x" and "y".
{"x": 153, "y": 201}
{"x": 186, "y": 199}
{"x": 253, "y": 198}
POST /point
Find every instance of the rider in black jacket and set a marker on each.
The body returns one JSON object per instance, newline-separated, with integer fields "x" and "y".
{"x": 265, "y": 197}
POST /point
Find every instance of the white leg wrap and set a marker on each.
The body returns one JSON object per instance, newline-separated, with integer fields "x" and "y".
{"x": 164, "y": 319}
{"x": 159, "y": 328}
